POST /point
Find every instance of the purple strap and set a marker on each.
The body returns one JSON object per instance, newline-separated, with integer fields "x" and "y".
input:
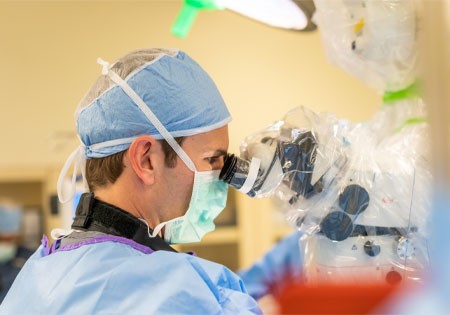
{"x": 44, "y": 243}
{"x": 56, "y": 246}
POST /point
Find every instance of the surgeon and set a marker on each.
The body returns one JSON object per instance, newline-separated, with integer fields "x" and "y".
{"x": 154, "y": 132}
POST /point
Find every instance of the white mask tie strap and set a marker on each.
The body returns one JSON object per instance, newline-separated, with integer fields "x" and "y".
{"x": 156, "y": 230}
{"x": 59, "y": 233}
{"x": 78, "y": 159}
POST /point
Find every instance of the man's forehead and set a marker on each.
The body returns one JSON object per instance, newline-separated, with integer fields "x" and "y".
{"x": 213, "y": 143}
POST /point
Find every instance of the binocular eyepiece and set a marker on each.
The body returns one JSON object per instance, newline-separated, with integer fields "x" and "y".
{"x": 227, "y": 174}
{"x": 290, "y": 163}
{"x": 236, "y": 171}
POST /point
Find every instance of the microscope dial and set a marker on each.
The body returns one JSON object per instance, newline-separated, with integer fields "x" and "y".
{"x": 406, "y": 248}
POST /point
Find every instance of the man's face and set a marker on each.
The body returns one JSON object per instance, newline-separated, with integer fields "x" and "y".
{"x": 206, "y": 150}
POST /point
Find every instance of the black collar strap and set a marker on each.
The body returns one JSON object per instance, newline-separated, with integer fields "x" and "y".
{"x": 96, "y": 215}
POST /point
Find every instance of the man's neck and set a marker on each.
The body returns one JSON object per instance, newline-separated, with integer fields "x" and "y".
{"x": 129, "y": 200}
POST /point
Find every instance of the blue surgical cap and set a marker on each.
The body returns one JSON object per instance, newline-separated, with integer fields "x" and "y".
{"x": 175, "y": 88}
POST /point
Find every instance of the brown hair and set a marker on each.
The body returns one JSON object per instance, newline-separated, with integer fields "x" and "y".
{"x": 103, "y": 171}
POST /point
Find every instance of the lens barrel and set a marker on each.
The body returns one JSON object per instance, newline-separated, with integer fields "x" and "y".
{"x": 234, "y": 171}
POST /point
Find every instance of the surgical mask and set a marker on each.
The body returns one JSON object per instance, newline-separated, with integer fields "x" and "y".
{"x": 208, "y": 199}
{"x": 209, "y": 194}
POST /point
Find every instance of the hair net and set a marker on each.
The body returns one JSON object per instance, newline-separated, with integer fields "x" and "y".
{"x": 176, "y": 89}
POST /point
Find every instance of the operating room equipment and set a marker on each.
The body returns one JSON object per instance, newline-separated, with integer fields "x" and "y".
{"x": 287, "y": 14}
{"x": 364, "y": 197}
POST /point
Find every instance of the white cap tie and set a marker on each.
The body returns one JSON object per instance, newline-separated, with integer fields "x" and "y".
{"x": 105, "y": 65}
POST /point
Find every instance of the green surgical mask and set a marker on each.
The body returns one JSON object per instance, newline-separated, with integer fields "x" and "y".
{"x": 209, "y": 197}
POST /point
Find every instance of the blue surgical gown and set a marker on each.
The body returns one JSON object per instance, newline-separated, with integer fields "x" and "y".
{"x": 115, "y": 278}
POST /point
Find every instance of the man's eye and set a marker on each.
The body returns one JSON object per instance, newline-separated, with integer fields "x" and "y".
{"x": 213, "y": 159}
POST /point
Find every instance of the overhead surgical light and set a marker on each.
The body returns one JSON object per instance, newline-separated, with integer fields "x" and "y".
{"x": 288, "y": 14}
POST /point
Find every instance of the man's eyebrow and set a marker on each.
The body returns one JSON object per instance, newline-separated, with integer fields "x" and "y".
{"x": 220, "y": 152}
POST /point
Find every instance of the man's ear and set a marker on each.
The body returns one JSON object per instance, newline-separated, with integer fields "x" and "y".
{"x": 141, "y": 158}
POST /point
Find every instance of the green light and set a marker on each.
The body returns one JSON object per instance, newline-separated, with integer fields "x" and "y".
{"x": 188, "y": 13}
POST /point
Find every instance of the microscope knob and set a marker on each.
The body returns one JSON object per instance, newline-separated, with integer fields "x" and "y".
{"x": 337, "y": 226}
{"x": 393, "y": 277}
{"x": 371, "y": 249}
{"x": 354, "y": 199}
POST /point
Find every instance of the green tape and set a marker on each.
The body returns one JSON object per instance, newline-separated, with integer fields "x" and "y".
{"x": 411, "y": 91}
{"x": 411, "y": 121}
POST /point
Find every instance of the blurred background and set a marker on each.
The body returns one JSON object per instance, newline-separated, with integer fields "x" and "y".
{"x": 48, "y": 61}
